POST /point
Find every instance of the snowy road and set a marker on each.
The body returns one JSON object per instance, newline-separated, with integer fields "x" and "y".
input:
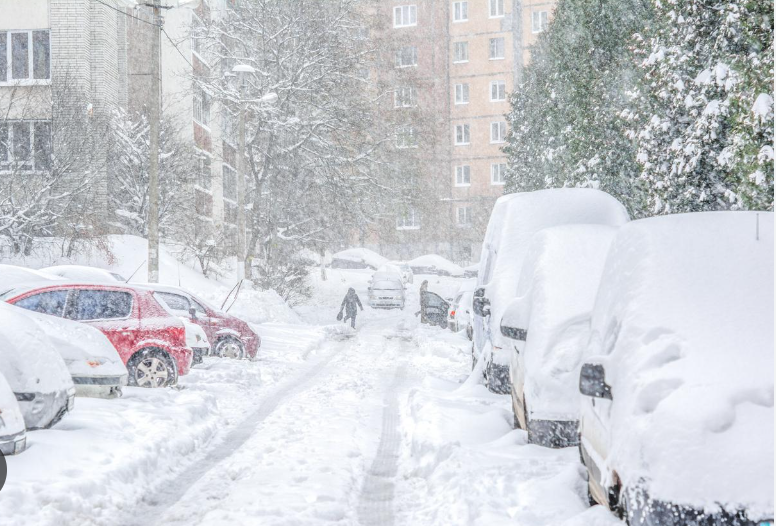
{"x": 381, "y": 426}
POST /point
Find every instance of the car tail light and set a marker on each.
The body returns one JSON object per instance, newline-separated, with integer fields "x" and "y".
{"x": 178, "y": 334}
{"x": 452, "y": 314}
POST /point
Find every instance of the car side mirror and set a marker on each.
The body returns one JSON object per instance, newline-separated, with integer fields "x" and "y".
{"x": 193, "y": 313}
{"x": 592, "y": 381}
{"x": 514, "y": 333}
{"x": 481, "y": 304}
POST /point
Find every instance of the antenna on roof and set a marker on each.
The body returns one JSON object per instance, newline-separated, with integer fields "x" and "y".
{"x": 135, "y": 272}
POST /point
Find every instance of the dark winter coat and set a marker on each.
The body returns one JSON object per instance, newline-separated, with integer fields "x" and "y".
{"x": 351, "y": 302}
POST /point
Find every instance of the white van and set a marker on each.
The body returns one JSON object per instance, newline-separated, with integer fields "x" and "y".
{"x": 513, "y": 222}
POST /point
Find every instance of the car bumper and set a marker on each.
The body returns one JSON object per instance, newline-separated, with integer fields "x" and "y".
{"x": 252, "y": 346}
{"x": 13, "y": 444}
{"x": 99, "y": 386}
{"x": 43, "y": 410}
{"x": 394, "y": 303}
{"x": 199, "y": 354}
{"x": 644, "y": 511}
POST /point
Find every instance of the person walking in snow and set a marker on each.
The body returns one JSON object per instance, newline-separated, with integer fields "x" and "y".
{"x": 349, "y": 304}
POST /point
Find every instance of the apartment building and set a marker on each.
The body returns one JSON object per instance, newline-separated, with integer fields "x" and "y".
{"x": 468, "y": 57}
{"x": 68, "y": 53}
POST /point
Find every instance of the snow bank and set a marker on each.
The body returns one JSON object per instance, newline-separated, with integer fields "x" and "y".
{"x": 432, "y": 263}
{"x": 556, "y": 294}
{"x": 684, "y": 318}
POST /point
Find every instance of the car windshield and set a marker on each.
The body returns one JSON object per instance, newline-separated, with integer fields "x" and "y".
{"x": 386, "y": 285}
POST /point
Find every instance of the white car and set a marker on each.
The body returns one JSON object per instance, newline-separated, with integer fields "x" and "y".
{"x": 547, "y": 326}
{"x": 677, "y": 414}
{"x": 386, "y": 291}
{"x": 93, "y": 362}
{"x": 406, "y": 272}
{"x": 84, "y": 273}
{"x": 513, "y": 222}
{"x": 13, "y": 435}
{"x": 196, "y": 339}
{"x": 34, "y": 369}
{"x": 460, "y": 315}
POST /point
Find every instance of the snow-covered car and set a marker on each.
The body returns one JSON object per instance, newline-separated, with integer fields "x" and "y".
{"x": 11, "y": 276}
{"x": 196, "y": 339}
{"x": 30, "y": 363}
{"x": 94, "y": 365}
{"x": 357, "y": 258}
{"x": 84, "y": 273}
{"x": 406, "y": 272}
{"x": 13, "y": 435}
{"x": 677, "y": 415}
{"x": 386, "y": 291}
{"x": 433, "y": 264}
{"x": 547, "y": 326}
{"x": 460, "y": 316}
{"x": 513, "y": 222}
{"x": 228, "y": 336}
{"x": 150, "y": 341}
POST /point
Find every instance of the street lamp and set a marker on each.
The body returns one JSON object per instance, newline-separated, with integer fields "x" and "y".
{"x": 242, "y": 71}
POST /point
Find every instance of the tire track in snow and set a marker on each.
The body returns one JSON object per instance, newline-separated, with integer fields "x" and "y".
{"x": 168, "y": 494}
{"x": 375, "y": 507}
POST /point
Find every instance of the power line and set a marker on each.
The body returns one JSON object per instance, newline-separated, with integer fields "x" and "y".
{"x": 178, "y": 49}
{"x": 126, "y": 14}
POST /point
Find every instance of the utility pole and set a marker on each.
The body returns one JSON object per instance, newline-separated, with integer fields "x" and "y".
{"x": 153, "y": 165}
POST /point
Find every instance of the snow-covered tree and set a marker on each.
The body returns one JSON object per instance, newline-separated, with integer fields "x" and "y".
{"x": 707, "y": 138}
{"x": 315, "y": 156}
{"x": 129, "y": 158}
{"x": 566, "y": 117}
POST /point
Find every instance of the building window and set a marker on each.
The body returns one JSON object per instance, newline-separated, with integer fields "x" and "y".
{"x": 498, "y": 173}
{"x": 204, "y": 175}
{"x": 229, "y": 182}
{"x": 464, "y": 215}
{"x": 498, "y": 91}
{"x": 461, "y": 52}
{"x": 405, "y": 15}
{"x": 496, "y": 8}
{"x": 25, "y": 146}
{"x": 460, "y": 11}
{"x": 201, "y": 107}
{"x": 496, "y": 48}
{"x": 197, "y": 34}
{"x": 406, "y": 137}
{"x": 228, "y": 126}
{"x": 538, "y": 21}
{"x": 404, "y": 98}
{"x": 408, "y": 220}
{"x": 406, "y": 57}
{"x": 463, "y": 175}
{"x": 462, "y": 94}
{"x": 498, "y": 132}
{"x": 25, "y": 55}
{"x": 461, "y": 134}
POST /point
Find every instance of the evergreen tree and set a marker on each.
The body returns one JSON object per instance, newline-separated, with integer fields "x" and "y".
{"x": 707, "y": 138}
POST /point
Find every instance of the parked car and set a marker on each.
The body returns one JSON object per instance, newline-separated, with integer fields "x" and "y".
{"x": 84, "y": 273}
{"x": 13, "y": 435}
{"x": 94, "y": 364}
{"x": 677, "y": 414}
{"x": 33, "y": 368}
{"x": 11, "y": 276}
{"x": 386, "y": 291}
{"x": 435, "y": 265}
{"x": 229, "y": 336}
{"x": 513, "y": 222}
{"x": 400, "y": 269}
{"x": 406, "y": 272}
{"x": 460, "y": 316}
{"x": 357, "y": 258}
{"x": 547, "y": 325}
{"x": 150, "y": 341}
{"x": 196, "y": 339}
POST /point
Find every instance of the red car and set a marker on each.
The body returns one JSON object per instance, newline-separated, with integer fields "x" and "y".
{"x": 229, "y": 336}
{"x": 150, "y": 341}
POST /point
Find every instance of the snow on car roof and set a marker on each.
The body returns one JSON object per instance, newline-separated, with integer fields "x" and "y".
{"x": 28, "y": 359}
{"x": 685, "y": 314}
{"x": 83, "y": 273}
{"x": 434, "y": 260}
{"x": 11, "y": 275}
{"x": 554, "y": 302}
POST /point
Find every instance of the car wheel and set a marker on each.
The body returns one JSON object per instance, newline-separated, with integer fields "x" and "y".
{"x": 230, "y": 348}
{"x": 151, "y": 368}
